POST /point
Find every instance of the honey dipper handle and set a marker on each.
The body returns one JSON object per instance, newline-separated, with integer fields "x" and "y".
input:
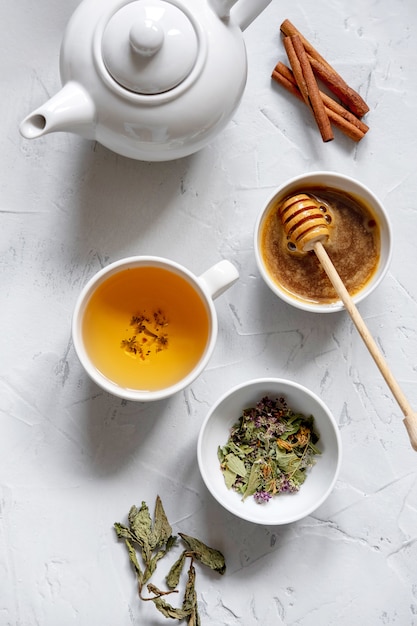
{"x": 410, "y": 419}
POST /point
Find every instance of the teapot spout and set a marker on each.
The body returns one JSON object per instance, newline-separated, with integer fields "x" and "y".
{"x": 70, "y": 110}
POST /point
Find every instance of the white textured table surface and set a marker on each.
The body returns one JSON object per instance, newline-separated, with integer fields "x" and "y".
{"x": 73, "y": 459}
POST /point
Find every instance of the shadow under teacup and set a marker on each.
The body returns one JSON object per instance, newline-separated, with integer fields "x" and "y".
{"x": 359, "y": 242}
{"x": 145, "y": 327}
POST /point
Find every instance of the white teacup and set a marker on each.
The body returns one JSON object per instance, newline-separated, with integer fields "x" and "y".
{"x": 344, "y": 184}
{"x": 145, "y": 327}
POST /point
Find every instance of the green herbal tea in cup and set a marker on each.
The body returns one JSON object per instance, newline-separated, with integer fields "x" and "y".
{"x": 145, "y": 327}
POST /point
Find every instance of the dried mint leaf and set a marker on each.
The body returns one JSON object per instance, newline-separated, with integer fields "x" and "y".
{"x": 123, "y": 532}
{"x": 229, "y": 477}
{"x": 169, "y": 611}
{"x": 140, "y": 525}
{"x": 208, "y": 556}
{"x": 154, "y": 540}
{"x": 161, "y": 530}
{"x": 133, "y": 559}
{"x": 235, "y": 465}
{"x": 173, "y": 576}
{"x": 194, "y": 618}
{"x": 287, "y": 462}
{"x": 254, "y": 480}
{"x": 190, "y": 598}
{"x": 159, "y": 555}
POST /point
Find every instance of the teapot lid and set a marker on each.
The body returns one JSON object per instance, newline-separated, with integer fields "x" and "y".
{"x": 149, "y": 46}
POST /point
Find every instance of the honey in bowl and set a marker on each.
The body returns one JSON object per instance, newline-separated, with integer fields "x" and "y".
{"x": 353, "y": 247}
{"x": 145, "y": 328}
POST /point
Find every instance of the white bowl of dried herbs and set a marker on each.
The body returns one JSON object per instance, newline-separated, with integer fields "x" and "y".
{"x": 269, "y": 451}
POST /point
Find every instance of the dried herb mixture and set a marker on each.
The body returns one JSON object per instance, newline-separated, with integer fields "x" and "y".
{"x": 147, "y": 542}
{"x": 269, "y": 451}
{"x": 149, "y": 334}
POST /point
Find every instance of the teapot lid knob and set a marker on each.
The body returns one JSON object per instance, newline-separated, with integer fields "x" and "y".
{"x": 146, "y": 37}
{"x": 149, "y": 46}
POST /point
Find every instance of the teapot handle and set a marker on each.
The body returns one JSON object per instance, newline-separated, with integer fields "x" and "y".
{"x": 222, "y": 7}
{"x": 243, "y": 13}
{"x": 246, "y": 11}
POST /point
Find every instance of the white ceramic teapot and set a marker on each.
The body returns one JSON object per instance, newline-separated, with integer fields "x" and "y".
{"x": 153, "y": 80}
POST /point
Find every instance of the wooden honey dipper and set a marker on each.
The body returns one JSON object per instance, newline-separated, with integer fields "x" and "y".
{"x": 307, "y": 229}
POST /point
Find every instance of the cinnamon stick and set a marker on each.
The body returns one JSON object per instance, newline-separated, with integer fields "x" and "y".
{"x": 307, "y": 84}
{"x": 330, "y": 77}
{"x": 296, "y": 68}
{"x": 345, "y": 121}
{"x": 337, "y": 85}
{"x": 287, "y": 28}
{"x": 327, "y": 100}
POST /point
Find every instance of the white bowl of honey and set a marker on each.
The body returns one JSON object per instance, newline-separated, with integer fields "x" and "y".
{"x": 359, "y": 243}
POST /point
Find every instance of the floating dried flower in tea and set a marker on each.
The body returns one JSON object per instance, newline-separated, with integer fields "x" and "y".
{"x": 150, "y": 336}
{"x": 269, "y": 451}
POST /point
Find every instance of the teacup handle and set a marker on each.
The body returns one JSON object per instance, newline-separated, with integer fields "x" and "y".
{"x": 218, "y": 278}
